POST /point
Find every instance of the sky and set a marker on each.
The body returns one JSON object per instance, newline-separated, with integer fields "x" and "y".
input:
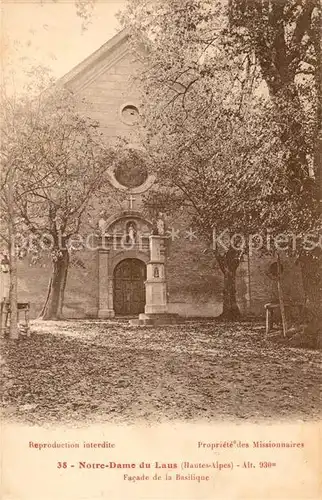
{"x": 50, "y": 33}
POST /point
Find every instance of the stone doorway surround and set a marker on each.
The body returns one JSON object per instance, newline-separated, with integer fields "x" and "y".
{"x": 112, "y": 252}
{"x": 107, "y": 263}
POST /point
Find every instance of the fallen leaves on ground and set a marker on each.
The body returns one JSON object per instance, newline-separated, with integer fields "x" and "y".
{"x": 107, "y": 371}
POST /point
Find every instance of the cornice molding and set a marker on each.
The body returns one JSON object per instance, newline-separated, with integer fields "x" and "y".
{"x": 94, "y": 59}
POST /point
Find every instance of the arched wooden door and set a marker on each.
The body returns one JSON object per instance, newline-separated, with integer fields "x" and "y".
{"x": 129, "y": 287}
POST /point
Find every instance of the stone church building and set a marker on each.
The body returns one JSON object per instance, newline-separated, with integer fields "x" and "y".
{"x": 111, "y": 278}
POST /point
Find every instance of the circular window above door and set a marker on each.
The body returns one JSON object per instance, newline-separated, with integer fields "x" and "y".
{"x": 129, "y": 172}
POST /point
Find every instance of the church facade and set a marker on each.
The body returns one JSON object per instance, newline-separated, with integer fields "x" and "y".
{"x": 112, "y": 278}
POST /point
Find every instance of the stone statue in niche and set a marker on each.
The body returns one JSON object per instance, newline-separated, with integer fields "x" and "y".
{"x": 154, "y": 229}
{"x": 102, "y": 224}
{"x": 131, "y": 232}
{"x": 156, "y": 272}
{"x": 158, "y": 226}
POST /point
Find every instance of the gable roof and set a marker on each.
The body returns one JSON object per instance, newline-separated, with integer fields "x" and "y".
{"x": 104, "y": 51}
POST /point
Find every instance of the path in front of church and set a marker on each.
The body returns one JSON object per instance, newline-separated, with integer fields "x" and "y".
{"x": 106, "y": 371}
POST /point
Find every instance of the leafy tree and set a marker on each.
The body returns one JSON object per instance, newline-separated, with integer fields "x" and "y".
{"x": 13, "y": 148}
{"x": 14, "y": 143}
{"x": 206, "y": 142}
{"x": 8, "y": 230}
{"x": 267, "y": 48}
{"x": 225, "y": 190}
{"x": 285, "y": 39}
{"x": 60, "y": 163}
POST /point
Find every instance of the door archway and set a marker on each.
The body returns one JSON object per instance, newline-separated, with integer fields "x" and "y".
{"x": 129, "y": 288}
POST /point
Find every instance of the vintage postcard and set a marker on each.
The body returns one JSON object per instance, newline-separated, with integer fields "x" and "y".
{"x": 161, "y": 260}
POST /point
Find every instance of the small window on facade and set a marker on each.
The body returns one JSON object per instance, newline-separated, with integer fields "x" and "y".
{"x": 130, "y": 114}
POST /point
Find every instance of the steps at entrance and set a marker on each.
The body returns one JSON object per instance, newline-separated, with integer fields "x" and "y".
{"x": 124, "y": 318}
{"x": 156, "y": 319}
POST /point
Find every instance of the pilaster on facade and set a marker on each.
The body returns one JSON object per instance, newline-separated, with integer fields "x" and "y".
{"x": 105, "y": 285}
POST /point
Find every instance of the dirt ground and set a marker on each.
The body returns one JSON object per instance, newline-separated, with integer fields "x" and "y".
{"x": 106, "y": 371}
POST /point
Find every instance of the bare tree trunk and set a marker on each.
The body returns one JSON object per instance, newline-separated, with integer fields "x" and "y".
{"x": 228, "y": 263}
{"x": 13, "y": 287}
{"x": 54, "y": 303}
{"x": 311, "y": 266}
{"x": 63, "y": 285}
{"x": 230, "y": 307}
{"x": 47, "y": 298}
{"x": 318, "y": 134}
{"x": 280, "y": 295}
{"x": 13, "y": 292}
